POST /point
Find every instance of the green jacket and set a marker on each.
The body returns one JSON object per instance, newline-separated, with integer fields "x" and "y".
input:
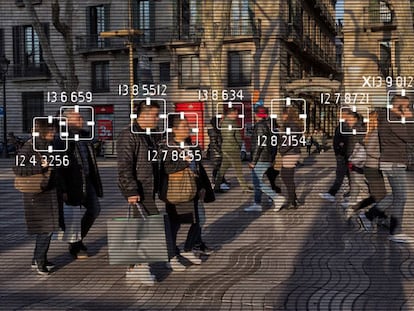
{"x": 231, "y": 138}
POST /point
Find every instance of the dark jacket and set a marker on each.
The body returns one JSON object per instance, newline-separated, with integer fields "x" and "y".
{"x": 214, "y": 146}
{"x": 340, "y": 143}
{"x": 137, "y": 163}
{"x": 71, "y": 179}
{"x": 261, "y": 142}
{"x": 394, "y": 138}
{"x": 40, "y": 209}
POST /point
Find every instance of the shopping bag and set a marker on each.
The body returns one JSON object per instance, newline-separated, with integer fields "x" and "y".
{"x": 182, "y": 186}
{"x": 73, "y": 219}
{"x": 32, "y": 183}
{"x": 139, "y": 240}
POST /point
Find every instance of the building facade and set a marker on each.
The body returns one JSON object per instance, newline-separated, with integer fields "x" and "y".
{"x": 271, "y": 50}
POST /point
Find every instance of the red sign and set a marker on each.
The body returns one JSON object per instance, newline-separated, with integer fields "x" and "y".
{"x": 105, "y": 130}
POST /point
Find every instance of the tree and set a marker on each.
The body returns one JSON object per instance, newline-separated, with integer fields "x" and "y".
{"x": 215, "y": 23}
{"x": 68, "y": 80}
{"x": 403, "y": 12}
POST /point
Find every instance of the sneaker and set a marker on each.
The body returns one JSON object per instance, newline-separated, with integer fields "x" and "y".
{"x": 42, "y": 270}
{"x": 224, "y": 187}
{"x": 365, "y": 222}
{"x": 175, "y": 265}
{"x": 203, "y": 249}
{"x": 82, "y": 246}
{"x": 82, "y": 254}
{"x": 278, "y": 203}
{"x": 249, "y": 189}
{"x": 49, "y": 265}
{"x": 190, "y": 256}
{"x": 400, "y": 238}
{"x": 142, "y": 274}
{"x": 327, "y": 196}
{"x": 255, "y": 207}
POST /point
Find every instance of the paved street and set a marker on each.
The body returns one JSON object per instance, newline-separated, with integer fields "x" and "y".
{"x": 305, "y": 259}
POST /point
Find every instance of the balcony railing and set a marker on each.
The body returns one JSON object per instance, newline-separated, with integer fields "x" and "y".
{"x": 378, "y": 17}
{"x": 243, "y": 27}
{"x": 37, "y": 70}
{"x": 90, "y": 43}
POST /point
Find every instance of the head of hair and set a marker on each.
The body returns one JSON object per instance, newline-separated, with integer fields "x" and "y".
{"x": 291, "y": 113}
{"x": 231, "y": 110}
{"x": 142, "y": 107}
{"x": 43, "y": 127}
{"x": 174, "y": 120}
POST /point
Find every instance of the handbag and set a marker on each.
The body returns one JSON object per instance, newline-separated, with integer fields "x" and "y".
{"x": 182, "y": 186}
{"x": 73, "y": 219}
{"x": 32, "y": 183}
{"x": 139, "y": 240}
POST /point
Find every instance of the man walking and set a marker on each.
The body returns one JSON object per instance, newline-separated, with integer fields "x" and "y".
{"x": 138, "y": 175}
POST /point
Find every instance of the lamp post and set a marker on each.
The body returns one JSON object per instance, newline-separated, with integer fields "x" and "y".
{"x": 4, "y": 67}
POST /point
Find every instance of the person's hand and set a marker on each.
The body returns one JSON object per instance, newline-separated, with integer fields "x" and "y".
{"x": 134, "y": 199}
{"x": 44, "y": 163}
{"x": 251, "y": 165}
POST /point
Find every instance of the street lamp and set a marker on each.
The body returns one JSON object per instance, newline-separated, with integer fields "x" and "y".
{"x": 4, "y": 67}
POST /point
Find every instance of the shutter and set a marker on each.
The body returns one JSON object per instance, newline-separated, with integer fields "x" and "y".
{"x": 2, "y": 51}
{"x": 88, "y": 13}
{"x": 107, "y": 17}
{"x": 18, "y": 44}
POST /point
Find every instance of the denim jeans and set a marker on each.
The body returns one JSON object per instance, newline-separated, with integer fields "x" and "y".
{"x": 395, "y": 202}
{"x": 259, "y": 185}
{"x": 41, "y": 248}
{"x": 341, "y": 172}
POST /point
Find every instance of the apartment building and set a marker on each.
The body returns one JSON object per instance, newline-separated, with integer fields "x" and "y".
{"x": 271, "y": 50}
{"x": 373, "y": 39}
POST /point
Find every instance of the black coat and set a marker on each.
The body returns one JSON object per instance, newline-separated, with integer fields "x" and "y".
{"x": 261, "y": 142}
{"x": 40, "y": 209}
{"x": 71, "y": 179}
{"x": 137, "y": 163}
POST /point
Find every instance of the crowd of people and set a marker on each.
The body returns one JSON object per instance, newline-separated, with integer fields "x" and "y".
{"x": 69, "y": 200}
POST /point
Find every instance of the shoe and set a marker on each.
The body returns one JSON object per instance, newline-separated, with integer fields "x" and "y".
{"x": 249, "y": 189}
{"x": 224, "y": 187}
{"x": 82, "y": 246}
{"x": 205, "y": 250}
{"x": 42, "y": 270}
{"x": 142, "y": 274}
{"x": 82, "y": 254}
{"x": 256, "y": 207}
{"x": 49, "y": 265}
{"x": 191, "y": 257}
{"x": 327, "y": 196}
{"x": 365, "y": 222}
{"x": 175, "y": 265}
{"x": 400, "y": 238}
{"x": 278, "y": 203}
{"x": 219, "y": 191}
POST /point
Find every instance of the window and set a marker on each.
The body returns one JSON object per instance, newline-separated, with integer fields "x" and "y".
{"x": 143, "y": 19}
{"x": 188, "y": 18}
{"x": 97, "y": 21}
{"x": 100, "y": 76}
{"x": 165, "y": 75}
{"x": 385, "y": 58}
{"x": 2, "y": 51}
{"x": 239, "y": 68}
{"x": 142, "y": 70}
{"x": 189, "y": 71}
{"x": 27, "y": 52}
{"x": 33, "y": 106}
{"x": 240, "y": 17}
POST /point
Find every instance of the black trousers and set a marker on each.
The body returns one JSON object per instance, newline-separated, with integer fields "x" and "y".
{"x": 288, "y": 177}
{"x": 341, "y": 172}
{"x": 41, "y": 248}
{"x": 92, "y": 206}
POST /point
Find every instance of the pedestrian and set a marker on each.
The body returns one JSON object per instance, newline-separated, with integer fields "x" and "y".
{"x": 261, "y": 161}
{"x": 373, "y": 175}
{"x": 40, "y": 208}
{"x": 79, "y": 182}
{"x": 341, "y": 150}
{"x": 395, "y": 134}
{"x": 231, "y": 147}
{"x": 138, "y": 173}
{"x": 215, "y": 151}
{"x": 290, "y": 152}
{"x": 309, "y": 142}
{"x": 181, "y": 155}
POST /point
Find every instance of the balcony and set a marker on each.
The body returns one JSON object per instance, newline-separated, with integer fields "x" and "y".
{"x": 29, "y": 71}
{"x": 379, "y": 18}
{"x": 243, "y": 28}
{"x": 94, "y": 43}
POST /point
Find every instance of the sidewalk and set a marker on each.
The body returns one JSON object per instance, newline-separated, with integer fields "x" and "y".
{"x": 307, "y": 259}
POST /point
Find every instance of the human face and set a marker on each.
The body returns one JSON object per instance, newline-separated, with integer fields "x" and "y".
{"x": 75, "y": 120}
{"x": 181, "y": 131}
{"x": 149, "y": 118}
{"x": 50, "y": 135}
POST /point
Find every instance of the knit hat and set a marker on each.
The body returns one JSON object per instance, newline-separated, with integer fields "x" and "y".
{"x": 262, "y": 112}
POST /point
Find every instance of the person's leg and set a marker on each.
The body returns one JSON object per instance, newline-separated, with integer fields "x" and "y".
{"x": 41, "y": 248}
{"x": 287, "y": 175}
{"x": 225, "y": 164}
{"x": 256, "y": 171}
{"x": 261, "y": 168}
{"x": 397, "y": 178}
{"x": 93, "y": 209}
{"x": 175, "y": 225}
{"x": 193, "y": 235}
{"x": 237, "y": 165}
{"x": 341, "y": 171}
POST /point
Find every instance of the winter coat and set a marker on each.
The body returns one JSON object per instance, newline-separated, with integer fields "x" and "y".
{"x": 290, "y": 149}
{"x": 372, "y": 147}
{"x": 40, "y": 209}
{"x": 137, "y": 163}
{"x": 71, "y": 179}
{"x": 215, "y": 144}
{"x": 232, "y": 141}
{"x": 262, "y": 145}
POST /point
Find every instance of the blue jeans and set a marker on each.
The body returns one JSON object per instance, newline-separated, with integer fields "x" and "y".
{"x": 395, "y": 202}
{"x": 259, "y": 185}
